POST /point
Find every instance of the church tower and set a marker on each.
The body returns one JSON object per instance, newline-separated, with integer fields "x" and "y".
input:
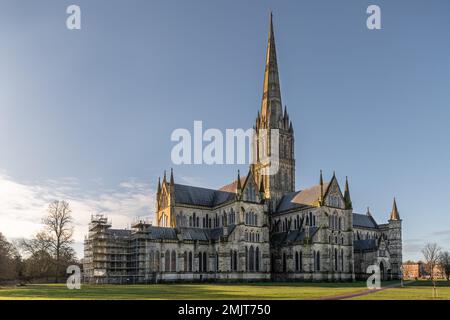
{"x": 271, "y": 119}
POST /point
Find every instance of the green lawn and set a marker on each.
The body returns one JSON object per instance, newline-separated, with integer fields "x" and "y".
{"x": 418, "y": 290}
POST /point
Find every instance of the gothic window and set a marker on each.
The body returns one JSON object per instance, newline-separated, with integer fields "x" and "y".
{"x": 231, "y": 260}
{"x": 342, "y": 259}
{"x": 190, "y": 261}
{"x": 198, "y": 222}
{"x": 296, "y": 261}
{"x": 205, "y": 262}
{"x": 310, "y": 218}
{"x": 167, "y": 261}
{"x": 173, "y": 266}
{"x": 257, "y": 259}
{"x": 217, "y": 262}
{"x": 335, "y": 259}
{"x": 246, "y": 259}
{"x": 157, "y": 260}
{"x": 318, "y": 261}
{"x": 314, "y": 220}
{"x": 235, "y": 260}
{"x": 251, "y": 259}
{"x": 300, "y": 261}
{"x": 284, "y": 262}
{"x": 185, "y": 261}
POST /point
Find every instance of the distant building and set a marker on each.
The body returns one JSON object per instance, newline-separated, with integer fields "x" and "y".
{"x": 419, "y": 270}
{"x": 256, "y": 228}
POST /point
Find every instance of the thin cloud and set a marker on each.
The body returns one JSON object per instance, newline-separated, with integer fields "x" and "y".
{"x": 24, "y": 204}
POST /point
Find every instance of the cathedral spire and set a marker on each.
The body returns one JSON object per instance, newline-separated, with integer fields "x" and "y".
{"x": 321, "y": 189}
{"x": 347, "y": 199}
{"x": 271, "y": 107}
{"x": 394, "y": 212}
{"x": 171, "y": 177}
{"x": 238, "y": 184}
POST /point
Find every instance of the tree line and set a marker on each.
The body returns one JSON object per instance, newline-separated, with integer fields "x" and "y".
{"x": 46, "y": 255}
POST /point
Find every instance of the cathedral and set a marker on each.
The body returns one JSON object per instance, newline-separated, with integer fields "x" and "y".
{"x": 257, "y": 228}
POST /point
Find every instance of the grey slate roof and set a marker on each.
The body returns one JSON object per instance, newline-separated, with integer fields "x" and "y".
{"x": 281, "y": 238}
{"x": 363, "y": 220}
{"x": 366, "y": 244}
{"x": 161, "y": 233}
{"x": 200, "y": 196}
{"x": 287, "y": 204}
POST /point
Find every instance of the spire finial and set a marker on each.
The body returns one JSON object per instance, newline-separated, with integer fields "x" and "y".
{"x": 171, "y": 177}
{"x": 368, "y": 211}
{"x": 164, "y": 178}
{"x": 321, "y": 189}
{"x": 271, "y": 106}
{"x": 394, "y": 213}
{"x": 238, "y": 185}
{"x": 159, "y": 185}
{"x": 347, "y": 198}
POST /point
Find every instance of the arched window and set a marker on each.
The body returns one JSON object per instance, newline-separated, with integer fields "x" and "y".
{"x": 200, "y": 262}
{"x": 246, "y": 259}
{"x": 173, "y": 266}
{"x": 300, "y": 261}
{"x": 235, "y": 261}
{"x": 205, "y": 262}
{"x": 335, "y": 259}
{"x": 167, "y": 261}
{"x": 190, "y": 261}
{"x": 318, "y": 260}
{"x": 296, "y": 261}
{"x": 284, "y": 262}
{"x": 251, "y": 258}
{"x": 342, "y": 259}
{"x": 231, "y": 260}
{"x": 217, "y": 262}
{"x": 185, "y": 261}
{"x": 314, "y": 220}
{"x": 190, "y": 221}
{"x": 157, "y": 261}
{"x": 257, "y": 259}
{"x": 340, "y": 223}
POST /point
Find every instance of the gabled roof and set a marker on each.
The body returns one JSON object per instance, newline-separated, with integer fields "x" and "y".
{"x": 198, "y": 196}
{"x": 364, "y": 220}
{"x": 300, "y": 199}
{"x": 231, "y": 187}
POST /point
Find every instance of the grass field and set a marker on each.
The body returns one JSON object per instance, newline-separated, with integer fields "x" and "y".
{"x": 416, "y": 290}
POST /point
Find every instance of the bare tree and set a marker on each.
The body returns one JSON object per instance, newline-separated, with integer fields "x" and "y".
{"x": 444, "y": 263}
{"x": 431, "y": 253}
{"x": 59, "y": 231}
{"x": 9, "y": 258}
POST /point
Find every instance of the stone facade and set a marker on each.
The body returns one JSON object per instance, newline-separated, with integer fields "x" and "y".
{"x": 257, "y": 228}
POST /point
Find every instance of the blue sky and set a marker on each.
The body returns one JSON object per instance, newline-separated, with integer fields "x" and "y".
{"x": 87, "y": 115}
